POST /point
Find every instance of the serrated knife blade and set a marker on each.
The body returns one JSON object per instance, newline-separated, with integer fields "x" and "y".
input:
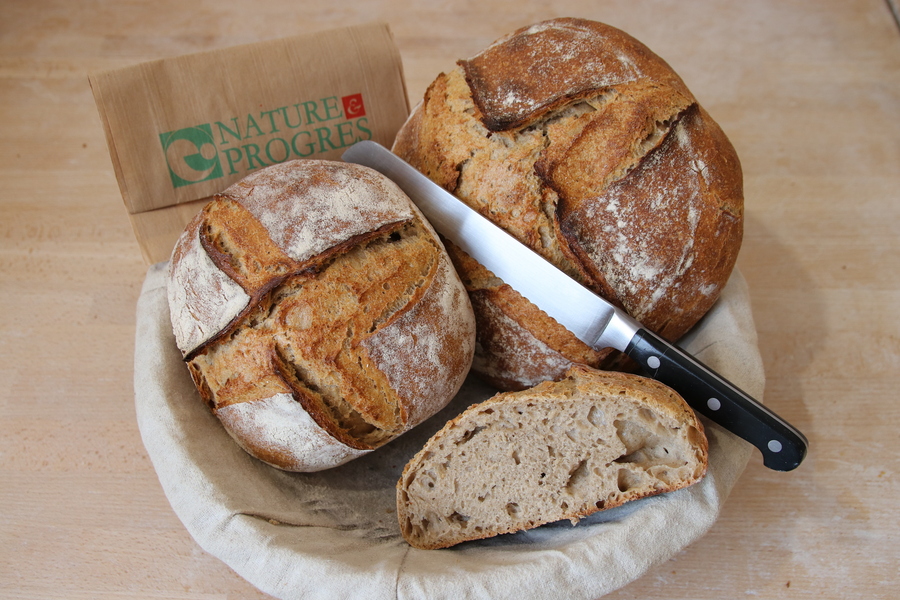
{"x": 591, "y": 318}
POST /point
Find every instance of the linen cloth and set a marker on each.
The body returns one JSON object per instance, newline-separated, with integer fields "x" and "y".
{"x": 334, "y": 534}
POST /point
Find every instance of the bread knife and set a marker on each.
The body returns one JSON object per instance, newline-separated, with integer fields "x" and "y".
{"x": 590, "y": 317}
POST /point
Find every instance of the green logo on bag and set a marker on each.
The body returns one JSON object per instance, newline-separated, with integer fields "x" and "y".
{"x": 191, "y": 155}
{"x": 255, "y": 140}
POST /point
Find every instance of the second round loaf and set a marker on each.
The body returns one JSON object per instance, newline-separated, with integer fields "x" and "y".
{"x": 587, "y": 147}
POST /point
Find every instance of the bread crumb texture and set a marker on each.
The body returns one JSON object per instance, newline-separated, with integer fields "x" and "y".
{"x": 586, "y": 146}
{"x": 563, "y": 450}
{"x": 319, "y": 315}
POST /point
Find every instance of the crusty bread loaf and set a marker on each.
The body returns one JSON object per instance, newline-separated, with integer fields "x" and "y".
{"x": 562, "y": 450}
{"x": 587, "y": 147}
{"x": 318, "y": 313}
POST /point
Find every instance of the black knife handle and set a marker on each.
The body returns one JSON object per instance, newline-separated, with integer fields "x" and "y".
{"x": 783, "y": 447}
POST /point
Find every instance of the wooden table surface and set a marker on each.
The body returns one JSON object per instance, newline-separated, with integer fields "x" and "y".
{"x": 808, "y": 92}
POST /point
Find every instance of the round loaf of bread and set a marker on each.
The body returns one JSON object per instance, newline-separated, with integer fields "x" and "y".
{"x": 582, "y": 143}
{"x": 318, "y": 313}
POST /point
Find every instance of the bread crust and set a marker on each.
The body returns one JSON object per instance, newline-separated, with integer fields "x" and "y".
{"x": 318, "y": 313}
{"x": 609, "y": 168}
{"x": 628, "y": 438}
{"x": 510, "y": 83}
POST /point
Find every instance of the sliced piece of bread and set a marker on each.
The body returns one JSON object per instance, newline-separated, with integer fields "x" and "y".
{"x": 561, "y": 450}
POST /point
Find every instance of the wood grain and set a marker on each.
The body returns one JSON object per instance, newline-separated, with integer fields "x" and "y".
{"x": 808, "y": 92}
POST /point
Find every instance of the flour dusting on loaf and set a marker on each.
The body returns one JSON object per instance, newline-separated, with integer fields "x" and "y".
{"x": 203, "y": 300}
{"x": 337, "y": 206}
{"x": 412, "y": 335}
{"x": 278, "y": 431}
{"x": 327, "y": 320}
{"x": 586, "y": 146}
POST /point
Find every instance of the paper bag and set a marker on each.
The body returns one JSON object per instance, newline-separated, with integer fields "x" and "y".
{"x": 182, "y": 129}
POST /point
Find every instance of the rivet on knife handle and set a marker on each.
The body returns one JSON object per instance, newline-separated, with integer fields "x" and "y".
{"x": 783, "y": 447}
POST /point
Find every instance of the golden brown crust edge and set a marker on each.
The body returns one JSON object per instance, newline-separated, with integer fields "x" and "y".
{"x": 509, "y": 79}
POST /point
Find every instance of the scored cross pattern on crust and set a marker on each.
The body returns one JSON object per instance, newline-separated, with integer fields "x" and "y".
{"x": 305, "y": 325}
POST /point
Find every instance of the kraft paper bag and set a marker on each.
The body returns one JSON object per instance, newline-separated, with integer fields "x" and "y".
{"x": 182, "y": 129}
